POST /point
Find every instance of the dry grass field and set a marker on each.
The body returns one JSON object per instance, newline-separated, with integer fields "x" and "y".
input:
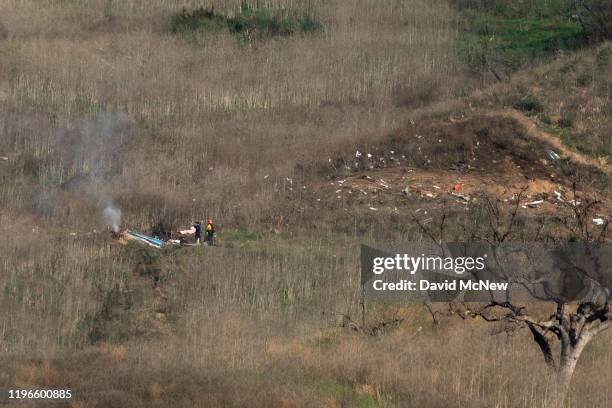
{"x": 207, "y": 116}
{"x": 102, "y": 102}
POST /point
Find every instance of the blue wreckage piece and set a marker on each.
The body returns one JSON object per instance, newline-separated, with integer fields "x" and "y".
{"x": 155, "y": 242}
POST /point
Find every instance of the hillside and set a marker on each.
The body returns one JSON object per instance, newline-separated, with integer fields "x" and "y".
{"x": 304, "y": 130}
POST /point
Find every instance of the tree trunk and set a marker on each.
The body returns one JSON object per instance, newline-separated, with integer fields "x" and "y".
{"x": 567, "y": 365}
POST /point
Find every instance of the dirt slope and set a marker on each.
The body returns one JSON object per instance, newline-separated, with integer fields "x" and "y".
{"x": 533, "y": 131}
{"x": 451, "y": 162}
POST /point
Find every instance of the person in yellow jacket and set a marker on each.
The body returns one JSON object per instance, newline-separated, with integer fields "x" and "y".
{"x": 210, "y": 232}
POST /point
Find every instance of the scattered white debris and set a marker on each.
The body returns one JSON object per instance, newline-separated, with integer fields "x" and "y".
{"x": 535, "y": 204}
{"x": 373, "y": 209}
{"x": 369, "y": 156}
{"x": 357, "y": 153}
{"x": 329, "y": 160}
{"x": 436, "y": 187}
{"x": 559, "y": 196}
{"x": 3, "y": 158}
{"x": 338, "y": 191}
{"x": 465, "y": 198}
{"x": 552, "y": 155}
{"x": 392, "y": 152}
{"x": 598, "y": 221}
{"x": 266, "y": 176}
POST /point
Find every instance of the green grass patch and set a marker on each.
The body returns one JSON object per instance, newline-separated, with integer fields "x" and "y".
{"x": 533, "y": 37}
{"x": 519, "y": 8}
{"x": 349, "y": 395}
{"x": 241, "y": 234}
{"x": 251, "y": 21}
{"x": 503, "y": 42}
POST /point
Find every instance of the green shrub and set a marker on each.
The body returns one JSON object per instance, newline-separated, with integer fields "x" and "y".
{"x": 604, "y": 57}
{"x": 530, "y": 103}
{"x": 584, "y": 78}
{"x": 566, "y": 122}
{"x": 546, "y": 119}
{"x": 197, "y": 20}
{"x": 251, "y": 21}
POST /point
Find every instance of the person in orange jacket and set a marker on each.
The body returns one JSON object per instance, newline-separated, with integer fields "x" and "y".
{"x": 210, "y": 232}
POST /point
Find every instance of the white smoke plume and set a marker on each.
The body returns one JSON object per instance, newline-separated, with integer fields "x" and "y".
{"x": 112, "y": 216}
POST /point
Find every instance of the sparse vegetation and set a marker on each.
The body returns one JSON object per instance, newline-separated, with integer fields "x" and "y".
{"x": 572, "y": 94}
{"x": 251, "y": 22}
{"x": 161, "y": 109}
{"x": 507, "y": 36}
{"x": 530, "y": 104}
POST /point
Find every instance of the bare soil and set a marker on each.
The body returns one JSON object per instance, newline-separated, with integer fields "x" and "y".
{"x": 502, "y": 154}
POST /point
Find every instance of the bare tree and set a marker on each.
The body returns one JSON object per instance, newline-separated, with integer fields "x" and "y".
{"x": 571, "y": 326}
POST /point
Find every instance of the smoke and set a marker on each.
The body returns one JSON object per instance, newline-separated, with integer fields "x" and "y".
{"x": 88, "y": 164}
{"x": 96, "y": 151}
{"x": 112, "y": 217}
